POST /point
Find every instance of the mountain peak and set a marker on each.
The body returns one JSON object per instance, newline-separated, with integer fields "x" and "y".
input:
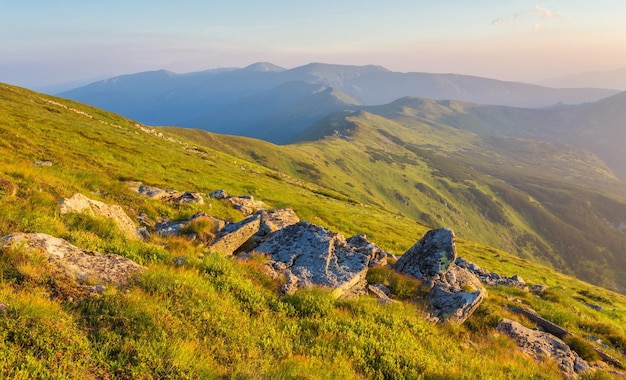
{"x": 264, "y": 67}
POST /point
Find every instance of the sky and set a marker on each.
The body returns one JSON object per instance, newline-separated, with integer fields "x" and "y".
{"x": 45, "y": 43}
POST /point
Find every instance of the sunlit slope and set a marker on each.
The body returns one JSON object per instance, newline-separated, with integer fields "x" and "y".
{"x": 552, "y": 202}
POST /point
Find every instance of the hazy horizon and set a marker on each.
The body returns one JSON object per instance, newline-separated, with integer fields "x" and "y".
{"x": 50, "y": 43}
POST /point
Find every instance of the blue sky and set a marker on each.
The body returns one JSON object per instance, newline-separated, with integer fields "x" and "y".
{"x": 49, "y": 42}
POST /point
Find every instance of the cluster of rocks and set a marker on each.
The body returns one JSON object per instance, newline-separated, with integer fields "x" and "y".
{"x": 246, "y": 204}
{"x": 541, "y": 345}
{"x": 300, "y": 254}
{"x": 172, "y": 196}
{"x": 491, "y": 278}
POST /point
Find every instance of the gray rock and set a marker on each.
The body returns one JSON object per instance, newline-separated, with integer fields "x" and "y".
{"x": 455, "y": 291}
{"x": 188, "y": 198}
{"x": 454, "y": 306}
{"x": 381, "y": 292}
{"x": 541, "y": 345}
{"x": 490, "y": 278}
{"x": 235, "y": 235}
{"x": 430, "y": 257}
{"x": 377, "y": 256}
{"x": 274, "y": 220}
{"x": 42, "y": 163}
{"x": 81, "y": 204}
{"x": 218, "y": 194}
{"x": 3, "y": 306}
{"x": 246, "y": 204}
{"x": 308, "y": 255}
{"x": 83, "y": 265}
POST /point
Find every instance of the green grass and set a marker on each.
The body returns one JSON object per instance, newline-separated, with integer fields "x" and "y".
{"x": 209, "y": 316}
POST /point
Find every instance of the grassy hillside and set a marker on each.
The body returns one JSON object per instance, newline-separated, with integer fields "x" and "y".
{"x": 555, "y": 203}
{"x": 215, "y": 317}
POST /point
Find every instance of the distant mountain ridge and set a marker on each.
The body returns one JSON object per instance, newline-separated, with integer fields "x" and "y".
{"x": 604, "y": 79}
{"x": 200, "y": 99}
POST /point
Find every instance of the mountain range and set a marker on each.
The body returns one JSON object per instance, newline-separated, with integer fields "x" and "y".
{"x": 243, "y": 101}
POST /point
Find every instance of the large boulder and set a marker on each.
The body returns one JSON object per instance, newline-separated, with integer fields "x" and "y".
{"x": 430, "y": 257}
{"x": 248, "y": 233}
{"x": 455, "y": 292}
{"x": 306, "y": 255}
{"x": 541, "y": 345}
{"x": 79, "y": 203}
{"x": 84, "y": 266}
{"x": 235, "y": 235}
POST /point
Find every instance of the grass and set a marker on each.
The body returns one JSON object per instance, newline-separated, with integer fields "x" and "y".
{"x": 195, "y": 314}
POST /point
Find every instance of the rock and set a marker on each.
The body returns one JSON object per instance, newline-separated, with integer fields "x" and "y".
{"x": 454, "y": 306}
{"x": 235, "y": 235}
{"x": 246, "y": 204}
{"x": 455, "y": 291}
{"x": 81, "y": 204}
{"x": 42, "y": 163}
{"x": 218, "y": 194}
{"x": 377, "y": 256}
{"x": 490, "y": 278}
{"x": 173, "y": 196}
{"x": 274, "y": 220}
{"x": 538, "y": 288}
{"x": 308, "y": 255}
{"x": 539, "y": 345}
{"x": 3, "y": 306}
{"x": 187, "y": 198}
{"x": 83, "y": 265}
{"x": 430, "y": 257}
{"x": 381, "y": 292}
{"x": 594, "y": 306}
{"x": 157, "y": 193}
{"x": 247, "y": 234}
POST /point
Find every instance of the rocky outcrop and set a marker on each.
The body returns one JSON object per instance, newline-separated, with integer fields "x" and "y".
{"x": 81, "y": 204}
{"x": 248, "y": 233}
{"x": 492, "y": 278}
{"x": 455, "y": 291}
{"x": 246, "y": 204}
{"x": 541, "y": 345}
{"x": 84, "y": 266}
{"x": 306, "y": 255}
{"x": 172, "y": 196}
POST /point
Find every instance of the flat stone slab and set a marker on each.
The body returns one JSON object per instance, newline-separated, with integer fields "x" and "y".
{"x": 84, "y": 266}
{"x": 309, "y": 255}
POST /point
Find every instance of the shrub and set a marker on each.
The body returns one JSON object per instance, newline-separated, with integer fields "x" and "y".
{"x": 582, "y": 348}
{"x": 311, "y": 302}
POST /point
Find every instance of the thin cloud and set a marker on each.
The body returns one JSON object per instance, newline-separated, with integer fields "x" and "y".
{"x": 537, "y": 12}
{"x": 546, "y": 13}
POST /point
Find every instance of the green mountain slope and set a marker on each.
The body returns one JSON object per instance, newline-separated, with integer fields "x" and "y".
{"x": 551, "y": 202}
{"x": 196, "y": 314}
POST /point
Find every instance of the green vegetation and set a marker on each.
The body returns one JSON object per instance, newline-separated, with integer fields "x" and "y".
{"x": 556, "y": 204}
{"x": 208, "y": 316}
